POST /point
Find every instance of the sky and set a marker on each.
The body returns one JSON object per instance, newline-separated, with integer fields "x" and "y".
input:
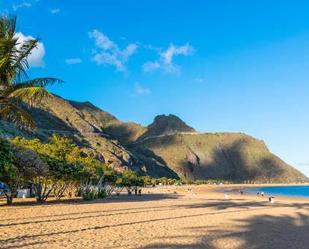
{"x": 237, "y": 66}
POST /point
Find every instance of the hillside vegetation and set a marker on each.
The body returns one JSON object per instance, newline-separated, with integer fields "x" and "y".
{"x": 228, "y": 156}
{"x": 167, "y": 147}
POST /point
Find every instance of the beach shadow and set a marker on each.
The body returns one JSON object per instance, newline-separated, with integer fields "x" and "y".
{"x": 266, "y": 231}
{"x": 167, "y": 219}
{"x": 221, "y": 205}
{"x": 82, "y": 216}
{"x": 262, "y": 231}
{"x": 26, "y": 245}
{"x": 78, "y": 201}
{"x": 178, "y": 246}
{"x": 259, "y": 232}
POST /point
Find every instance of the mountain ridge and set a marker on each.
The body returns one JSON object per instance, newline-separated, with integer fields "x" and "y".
{"x": 167, "y": 147}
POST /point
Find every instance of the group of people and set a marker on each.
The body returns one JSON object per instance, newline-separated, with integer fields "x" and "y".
{"x": 271, "y": 199}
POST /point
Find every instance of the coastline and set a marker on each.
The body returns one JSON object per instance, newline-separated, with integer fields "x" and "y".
{"x": 251, "y": 190}
{"x": 163, "y": 217}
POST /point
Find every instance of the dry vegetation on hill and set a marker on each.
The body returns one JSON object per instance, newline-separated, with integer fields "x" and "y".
{"x": 167, "y": 147}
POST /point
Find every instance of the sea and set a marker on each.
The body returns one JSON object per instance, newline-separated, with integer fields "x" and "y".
{"x": 292, "y": 191}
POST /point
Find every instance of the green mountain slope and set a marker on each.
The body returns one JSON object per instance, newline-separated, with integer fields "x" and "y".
{"x": 229, "y": 156}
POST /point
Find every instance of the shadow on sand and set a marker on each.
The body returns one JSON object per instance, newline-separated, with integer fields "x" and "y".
{"x": 78, "y": 201}
{"x": 261, "y": 231}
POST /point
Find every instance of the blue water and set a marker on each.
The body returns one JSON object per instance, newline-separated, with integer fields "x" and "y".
{"x": 297, "y": 191}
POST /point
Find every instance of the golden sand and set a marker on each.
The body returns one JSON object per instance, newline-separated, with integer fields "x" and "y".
{"x": 200, "y": 218}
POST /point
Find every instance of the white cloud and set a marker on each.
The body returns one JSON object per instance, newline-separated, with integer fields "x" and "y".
{"x": 151, "y": 66}
{"x": 35, "y": 59}
{"x": 168, "y": 55}
{"x": 102, "y": 41}
{"x": 72, "y": 61}
{"x": 140, "y": 90}
{"x": 128, "y": 51}
{"x": 21, "y": 5}
{"x": 55, "y": 11}
{"x": 166, "y": 58}
{"x": 104, "y": 58}
{"x": 108, "y": 52}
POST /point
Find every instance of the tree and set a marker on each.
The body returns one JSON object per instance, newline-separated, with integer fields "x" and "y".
{"x": 131, "y": 181}
{"x": 61, "y": 156}
{"x": 7, "y": 169}
{"x": 18, "y": 166}
{"x": 110, "y": 179}
{"x": 68, "y": 166}
{"x": 30, "y": 168}
{"x": 15, "y": 85}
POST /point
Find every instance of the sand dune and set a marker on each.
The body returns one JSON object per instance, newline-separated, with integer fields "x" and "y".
{"x": 159, "y": 219}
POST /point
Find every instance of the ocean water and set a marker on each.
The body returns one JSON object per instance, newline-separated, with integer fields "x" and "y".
{"x": 297, "y": 191}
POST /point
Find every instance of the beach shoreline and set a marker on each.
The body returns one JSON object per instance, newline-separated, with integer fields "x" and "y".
{"x": 163, "y": 217}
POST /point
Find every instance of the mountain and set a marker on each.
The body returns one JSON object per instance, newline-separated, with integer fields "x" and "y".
{"x": 228, "y": 156}
{"x": 167, "y": 147}
{"x": 166, "y": 125}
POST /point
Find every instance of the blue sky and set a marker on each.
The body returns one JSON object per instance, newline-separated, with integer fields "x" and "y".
{"x": 219, "y": 65}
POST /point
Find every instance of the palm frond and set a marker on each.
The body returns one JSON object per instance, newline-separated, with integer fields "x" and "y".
{"x": 8, "y": 57}
{"x": 7, "y": 26}
{"x": 29, "y": 95}
{"x": 24, "y": 51}
{"x": 39, "y": 82}
{"x": 19, "y": 62}
{"x": 16, "y": 89}
{"x": 9, "y": 90}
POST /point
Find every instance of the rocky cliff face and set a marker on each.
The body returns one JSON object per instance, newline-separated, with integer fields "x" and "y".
{"x": 167, "y": 147}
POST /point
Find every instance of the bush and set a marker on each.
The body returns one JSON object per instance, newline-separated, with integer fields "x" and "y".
{"x": 102, "y": 194}
{"x": 90, "y": 196}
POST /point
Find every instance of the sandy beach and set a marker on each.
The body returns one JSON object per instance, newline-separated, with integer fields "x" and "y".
{"x": 163, "y": 217}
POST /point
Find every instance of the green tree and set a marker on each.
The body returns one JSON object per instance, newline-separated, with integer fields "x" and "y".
{"x": 7, "y": 169}
{"x": 69, "y": 167}
{"x": 147, "y": 180}
{"x": 15, "y": 85}
{"x": 18, "y": 166}
{"x": 131, "y": 181}
{"x": 29, "y": 166}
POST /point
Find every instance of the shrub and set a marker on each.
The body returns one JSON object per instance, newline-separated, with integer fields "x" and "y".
{"x": 102, "y": 194}
{"x": 91, "y": 195}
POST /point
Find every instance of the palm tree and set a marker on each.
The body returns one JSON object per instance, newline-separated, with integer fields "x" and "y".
{"x": 15, "y": 85}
